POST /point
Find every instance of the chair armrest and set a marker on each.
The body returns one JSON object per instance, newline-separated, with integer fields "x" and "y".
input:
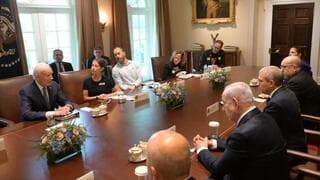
{"x": 303, "y": 156}
{"x": 307, "y": 171}
{"x": 313, "y": 136}
{"x": 315, "y": 119}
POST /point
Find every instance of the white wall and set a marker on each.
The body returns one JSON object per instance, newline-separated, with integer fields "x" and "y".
{"x": 240, "y": 33}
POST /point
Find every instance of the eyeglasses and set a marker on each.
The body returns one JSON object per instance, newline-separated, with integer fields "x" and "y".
{"x": 285, "y": 66}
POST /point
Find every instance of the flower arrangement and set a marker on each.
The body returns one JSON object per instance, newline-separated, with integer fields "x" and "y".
{"x": 218, "y": 78}
{"x": 62, "y": 141}
{"x": 172, "y": 95}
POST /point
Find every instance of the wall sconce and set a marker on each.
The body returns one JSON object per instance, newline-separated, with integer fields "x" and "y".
{"x": 103, "y": 18}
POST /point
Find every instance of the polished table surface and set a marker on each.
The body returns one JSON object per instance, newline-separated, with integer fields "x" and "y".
{"x": 106, "y": 152}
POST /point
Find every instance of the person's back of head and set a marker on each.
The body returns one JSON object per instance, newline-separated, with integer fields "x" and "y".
{"x": 168, "y": 155}
{"x": 272, "y": 73}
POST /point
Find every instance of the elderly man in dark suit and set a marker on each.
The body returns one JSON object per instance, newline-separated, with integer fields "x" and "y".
{"x": 59, "y": 65}
{"x": 302, "y": 84}
{"x": 254, "y": 150}
{"x": 43, "y": 98}
{"x": 284, "y": 107}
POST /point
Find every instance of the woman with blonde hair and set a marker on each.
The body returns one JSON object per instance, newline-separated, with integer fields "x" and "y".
{"x": 176, "y": 66}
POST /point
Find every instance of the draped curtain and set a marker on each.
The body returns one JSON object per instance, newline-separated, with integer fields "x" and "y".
{"x": 163, "y": 27}
{"x": 88, "y": 28}
{"x": 119, "y": 28}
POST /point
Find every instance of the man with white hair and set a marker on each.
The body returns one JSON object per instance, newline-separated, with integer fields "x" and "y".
{"x": 284, "y": 107}
{"x": 168, "y": 156}
{"x": 42, "y": 98}
{"x": 254, "y": 150}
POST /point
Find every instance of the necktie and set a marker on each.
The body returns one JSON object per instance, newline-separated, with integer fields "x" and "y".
{"x": 46, "y": 97}
{"x": 60, "y": 67}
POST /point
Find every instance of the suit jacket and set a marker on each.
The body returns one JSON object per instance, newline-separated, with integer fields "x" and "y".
{"x": 284, "y": 107}
{"x": 33, "y": 105}
{"x": 307, "y": 92}
{"x": 255, "y": 150}
{"x": 67, "y": 67}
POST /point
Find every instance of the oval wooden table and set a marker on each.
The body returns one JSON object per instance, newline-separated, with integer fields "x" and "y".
{"x": 106, "y": 153}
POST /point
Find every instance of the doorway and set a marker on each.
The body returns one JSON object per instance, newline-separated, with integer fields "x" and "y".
{"x": 291, "y": 26}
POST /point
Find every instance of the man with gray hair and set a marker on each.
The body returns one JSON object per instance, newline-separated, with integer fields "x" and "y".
{"x": 284, "y": 107}
{"x": 42, "y": 98}
{"x": 302, "y": 84}
{"x": 168, "y": 156}
{"x": 254, "y": 150}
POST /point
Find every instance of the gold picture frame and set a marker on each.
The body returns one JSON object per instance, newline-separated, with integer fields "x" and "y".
{"x": 213, "y": 11}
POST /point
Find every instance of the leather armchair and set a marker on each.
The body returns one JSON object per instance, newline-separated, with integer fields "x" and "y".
{"x": 9, "y": 90}
{"x": 158, "y": 64}
{"x": 71, "y": 84}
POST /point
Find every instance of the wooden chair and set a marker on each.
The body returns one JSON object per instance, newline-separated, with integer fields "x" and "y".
{"x": 158, "y": 64}
{"x": 313, "y": 139}
{"x": 71, "y": 84}
{"x": 9, "y": 98}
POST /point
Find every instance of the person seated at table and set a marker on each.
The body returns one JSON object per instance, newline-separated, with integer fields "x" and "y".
{"x": 214, "y": 56}
{"x": 284, "y": 107}
{"x": 97, "y": 54}
{"x": 126, "y": 73}
{"x": 254, "y": 150}
{"x": 305, "y": 66}
{"x": 175, "y": 66}
{"x": 101, "y": 84}
{"x": 301, "y": 83}
{"x": 43, "y": 98}
{"x": 168, "y": 156}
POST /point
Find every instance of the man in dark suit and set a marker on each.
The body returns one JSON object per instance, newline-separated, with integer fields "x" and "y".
{"x": 168, "y": 156}
{"x": 59, "y": 65}
{"x": 43, "y": 98}
{"x": 254, "y": 150}
{"x": 284, "y": 107}
{"x": 214, "y": 56}
{"x": 302, "y": 84}
{"x": 97, "y": 54}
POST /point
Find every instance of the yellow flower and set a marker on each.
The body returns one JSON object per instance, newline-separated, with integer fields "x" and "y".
{"x": 44, "y": 140}
{"x": 59, "y": 136}
{"x": 82, "y": 130}
{"x": 75, "y": 132}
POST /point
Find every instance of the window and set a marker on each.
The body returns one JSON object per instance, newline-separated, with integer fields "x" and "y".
{"x": 143, "y": 39}
{"x": 48, "y": 25}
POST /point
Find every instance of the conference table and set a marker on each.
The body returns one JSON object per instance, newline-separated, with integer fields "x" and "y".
{"x": 106, "y": 151}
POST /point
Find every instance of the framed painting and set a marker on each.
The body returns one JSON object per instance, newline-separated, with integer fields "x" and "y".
{"x": 213, "y": 11}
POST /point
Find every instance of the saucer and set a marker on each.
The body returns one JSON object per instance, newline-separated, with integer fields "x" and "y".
{"x": 253, "y": 85}
{"x": 100, "y": 114}
{"x": 140, "y": 159}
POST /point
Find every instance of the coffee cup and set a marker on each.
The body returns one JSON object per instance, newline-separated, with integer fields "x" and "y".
{"x": 95, "y": 111}
{"x": 134, "y": 153}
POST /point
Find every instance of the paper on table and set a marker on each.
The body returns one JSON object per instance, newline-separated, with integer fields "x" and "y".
{"x": 127, "y": 97}
{"x": 259, "y": 99}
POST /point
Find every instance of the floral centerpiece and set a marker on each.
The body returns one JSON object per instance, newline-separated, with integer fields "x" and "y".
{"x": 63, "y": 142}
{"x": 217, "y": 78}
{"x": 172, "y": 95}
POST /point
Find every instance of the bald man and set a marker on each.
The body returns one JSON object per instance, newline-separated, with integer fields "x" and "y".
{"x": 284, "y": 107}
{"x": 254, "y": 150}
{"x": 302, "y": 84}
{"x": 126, "y": 73}
{"x": 43, "y": 99}
{"x": 168, "y": 156}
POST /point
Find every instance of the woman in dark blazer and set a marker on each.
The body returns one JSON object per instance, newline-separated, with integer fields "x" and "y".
{"x": 175, "y": 66}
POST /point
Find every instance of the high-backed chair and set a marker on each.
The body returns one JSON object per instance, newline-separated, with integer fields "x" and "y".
{"x": 158, "y": 64}
{"x": 71, "y": 84}
{"x": 312, "y": 168}
{"x": 9, "y": 97}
